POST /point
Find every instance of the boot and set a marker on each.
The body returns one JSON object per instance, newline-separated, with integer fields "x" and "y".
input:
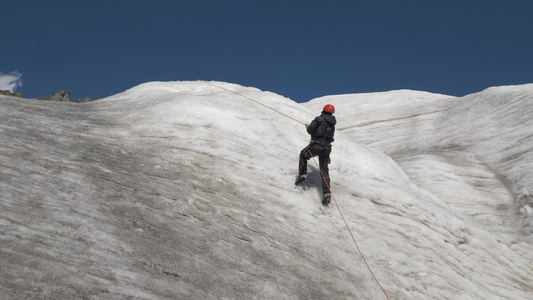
{"x": 326, "y": 199}
{"x": 301, "y": 179}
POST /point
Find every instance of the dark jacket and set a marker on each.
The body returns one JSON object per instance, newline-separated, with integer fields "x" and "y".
{"x": 322, "y": 129}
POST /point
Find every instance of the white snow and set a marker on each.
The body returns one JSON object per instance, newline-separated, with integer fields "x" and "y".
{"x": 174, "y": 190}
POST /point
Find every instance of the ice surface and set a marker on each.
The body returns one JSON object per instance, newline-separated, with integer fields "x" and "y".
{"x": 182, "y": 190}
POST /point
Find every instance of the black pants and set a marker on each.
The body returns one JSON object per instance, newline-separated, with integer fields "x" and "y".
{"x": 322, "y": 151}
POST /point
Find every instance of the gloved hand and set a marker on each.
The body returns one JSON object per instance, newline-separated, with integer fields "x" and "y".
{"x": 306, "y": 125}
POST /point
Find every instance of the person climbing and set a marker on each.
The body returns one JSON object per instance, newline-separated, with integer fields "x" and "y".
{"x": 322, "y": 130}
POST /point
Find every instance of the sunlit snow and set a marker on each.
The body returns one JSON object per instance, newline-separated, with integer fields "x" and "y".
{"x": 183, "y": 190}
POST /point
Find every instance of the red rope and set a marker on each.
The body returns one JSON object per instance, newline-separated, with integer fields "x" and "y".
{"x": 346, "y": 223}
{"x": 323, "y": 177}
{"x": 279, "y": 112}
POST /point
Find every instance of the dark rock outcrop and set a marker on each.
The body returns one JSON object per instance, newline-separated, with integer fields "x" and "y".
{"x": 65, "y": 96}
{"x": 60, "y": 96}
{"x": 8, "y": 93}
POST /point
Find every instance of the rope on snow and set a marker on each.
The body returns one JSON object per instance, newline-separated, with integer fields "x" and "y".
{"x": 323, "y": 177}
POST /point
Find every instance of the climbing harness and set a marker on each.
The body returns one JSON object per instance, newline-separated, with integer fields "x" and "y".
{"x": 323, "y": 177}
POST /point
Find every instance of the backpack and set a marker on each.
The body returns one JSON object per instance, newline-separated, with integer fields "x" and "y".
{"x": 324, "y": 131}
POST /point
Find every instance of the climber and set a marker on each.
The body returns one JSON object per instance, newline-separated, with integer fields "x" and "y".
{"x": 322, "y": 130}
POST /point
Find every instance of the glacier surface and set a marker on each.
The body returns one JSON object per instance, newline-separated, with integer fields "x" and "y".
{"x": 183, "y": 190}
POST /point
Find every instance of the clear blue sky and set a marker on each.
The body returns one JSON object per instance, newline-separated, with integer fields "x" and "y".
{"x": 298, "y": 49}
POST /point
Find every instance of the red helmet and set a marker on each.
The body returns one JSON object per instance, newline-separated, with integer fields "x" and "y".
{"x": 329, "y": 108}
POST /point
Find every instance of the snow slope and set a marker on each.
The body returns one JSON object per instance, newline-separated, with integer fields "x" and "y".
{"x": 182, "y": 190}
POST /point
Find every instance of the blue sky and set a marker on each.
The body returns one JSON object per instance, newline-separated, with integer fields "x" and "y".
{"x": 298, "y": 49}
